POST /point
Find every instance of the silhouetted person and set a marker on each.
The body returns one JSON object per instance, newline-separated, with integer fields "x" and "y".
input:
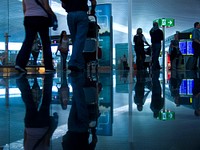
{"x": 139, "y": 41}
{"x": 196, "y": 45}
{"x": 39, "y": 125}
{"x": 156, "y": 38}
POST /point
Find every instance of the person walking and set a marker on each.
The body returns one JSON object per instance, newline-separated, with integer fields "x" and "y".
{"x": 156, "y": 37}
{"x": 196, "y": 45}
{"x": 77, "y": 19}
{"x": 63, "y": 47}
{"x": 139, "y": 41}
{"x": 35, "y": 21}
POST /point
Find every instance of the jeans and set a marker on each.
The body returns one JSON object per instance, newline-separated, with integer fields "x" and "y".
{"x": 156, "y": 48}
{"x": 63, "y": 60}
{"x": 78, "y": 120}
{"x": 78, "y": 27}
{"x": 34, "y": 25}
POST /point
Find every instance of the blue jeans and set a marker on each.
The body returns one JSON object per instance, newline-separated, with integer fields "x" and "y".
{"x": 34, "y": 25}
{"x": 156, "y": 48}
{"x": 78, "y": 120}
{"x": 78, "y": 26}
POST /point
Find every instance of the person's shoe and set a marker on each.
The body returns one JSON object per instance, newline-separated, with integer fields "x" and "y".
{"x": 20, "y": 69}
{"x": 75, "y": 69}
{"x": 50, "y": 70}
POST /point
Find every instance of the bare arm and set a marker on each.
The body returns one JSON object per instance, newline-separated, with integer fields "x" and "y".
{"x": 24, "y": 6}
{"x": 47, "y": 6}
{"x": 93, "y": 6}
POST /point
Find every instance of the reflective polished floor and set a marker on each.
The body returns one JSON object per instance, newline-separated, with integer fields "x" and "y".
{"x": 119, "y": 110}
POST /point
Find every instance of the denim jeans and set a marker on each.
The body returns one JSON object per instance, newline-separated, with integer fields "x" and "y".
{"x": 63, "y": 60}
{"x": 34, "y": 25}
{"x": 78, "y": 120}
{"x": 78, "y": 27}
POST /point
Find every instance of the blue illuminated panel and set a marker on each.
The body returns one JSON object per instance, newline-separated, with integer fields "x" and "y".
{"x": 190, "y": 50}
{"x": 183, "y": 87}
{"x": 190, "y": 85}
{"x": 183, "y": 47}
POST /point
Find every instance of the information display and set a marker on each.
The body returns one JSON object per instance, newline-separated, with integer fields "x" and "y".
{"x": 190, "y": 50}
{"x": 183, "y": 47}
{"x": 186, "y": 87}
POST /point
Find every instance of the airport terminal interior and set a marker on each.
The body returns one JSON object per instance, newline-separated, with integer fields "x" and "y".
{"x": 109, "y": 106}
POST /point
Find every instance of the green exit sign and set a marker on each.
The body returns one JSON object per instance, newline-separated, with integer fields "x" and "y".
{"x": 165, "y": 22}
{"x": 166, "y": 115}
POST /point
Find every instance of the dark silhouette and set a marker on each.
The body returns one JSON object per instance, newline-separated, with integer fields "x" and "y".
{"x": 39, "y": 125}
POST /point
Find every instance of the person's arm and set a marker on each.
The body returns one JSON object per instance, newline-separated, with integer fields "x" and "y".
{"x": 145, "y": 41}
{"x": 47, "y": 6}
{"x": 194, "y": 37}
{"x": 24, "y": 6}
{"x": 93, "y": 6}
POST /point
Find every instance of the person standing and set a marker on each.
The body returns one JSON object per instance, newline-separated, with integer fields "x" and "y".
{"x": 139, "y": 41}
{"x": 156, "y": 37}
{"x": 35, "y": 21}
{"x": 196, "y": 44}
{"x": 77, "y": 19}
{"x": 63, "y": 47}
{"x": 175, "y": 53}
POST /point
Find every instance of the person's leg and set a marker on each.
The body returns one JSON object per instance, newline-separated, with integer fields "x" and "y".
{"x": 25, "y": 51}
{"x": 155, "y": 58}
{"x": 63, "y": 61}
{"x": 78, "y": 26}
{"x": 47, "y": 54}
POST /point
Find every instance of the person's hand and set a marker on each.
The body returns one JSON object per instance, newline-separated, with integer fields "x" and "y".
{"x": 92, "y": 11}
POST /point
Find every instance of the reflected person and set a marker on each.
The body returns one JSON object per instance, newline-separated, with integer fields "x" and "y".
{"x": 77, "y": 136}
{"x": 139, "y": 91}
{"x": 39, "y": 125}
{"x": 196, "y": 96}
{"x": 157, "y": 102}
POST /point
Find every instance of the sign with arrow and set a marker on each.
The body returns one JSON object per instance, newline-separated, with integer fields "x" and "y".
{"x": 165, "y": 22}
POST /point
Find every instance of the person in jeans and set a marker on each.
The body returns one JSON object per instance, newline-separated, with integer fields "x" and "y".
{"x": 77, "y": 20}
{"x": 156, "y": 38}
{"x": 35, "y": 21}
{"x": 196, "y": 44}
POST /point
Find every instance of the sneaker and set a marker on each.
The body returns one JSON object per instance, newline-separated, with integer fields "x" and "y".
{"x": 20, "y": 69}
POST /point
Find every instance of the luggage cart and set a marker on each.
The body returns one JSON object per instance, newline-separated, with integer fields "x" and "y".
{"x": 92, "y": 89}
{"x": 148, "y": 58}
{"x": 90, "y": 51}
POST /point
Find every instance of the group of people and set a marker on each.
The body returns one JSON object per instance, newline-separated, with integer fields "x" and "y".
{"x": 156, "y": 38}
{"x": 36, "y": 21}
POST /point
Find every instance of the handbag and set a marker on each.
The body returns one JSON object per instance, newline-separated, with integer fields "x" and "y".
{"x": 53, "y": 22}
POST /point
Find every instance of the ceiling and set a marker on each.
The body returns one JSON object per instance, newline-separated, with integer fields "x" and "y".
{"x": 144, "y": 12}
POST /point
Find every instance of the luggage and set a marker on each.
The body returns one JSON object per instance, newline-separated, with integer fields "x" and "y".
{"x": 91, "y": 51}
